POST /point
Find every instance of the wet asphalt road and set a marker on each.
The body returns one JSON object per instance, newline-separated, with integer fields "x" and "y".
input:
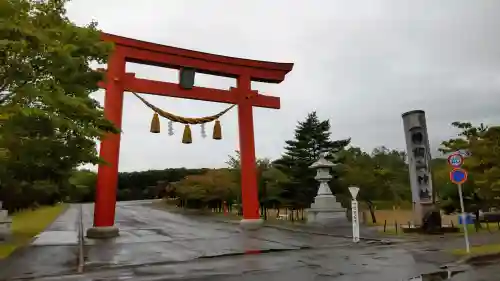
{"x": 158, "y": 245}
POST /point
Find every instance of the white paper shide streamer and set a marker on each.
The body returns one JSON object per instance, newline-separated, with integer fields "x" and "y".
{"x": 171, "y": 128}
{"x": 203, "y": 131}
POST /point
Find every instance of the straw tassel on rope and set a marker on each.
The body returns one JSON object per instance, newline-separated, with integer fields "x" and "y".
{"x": 186, "y": 137}
{"x": 155, "y": 124}
{"x": 217, "y": 135}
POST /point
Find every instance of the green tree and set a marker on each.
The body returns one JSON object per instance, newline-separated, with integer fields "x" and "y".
{"x": 210, "y": 189}
{"x": 147, "y": 184}
{"x": 358, "y": 169}
{"x": 273, "y": 181}
{"x": 270, "y": 181}
{"x": 82, "y": 186}
{"x": 482, "y": 189}
{"x": 49, "y": 122}
{"x": 381, "y": 175}
{"x": 312, "y": 137}
{"x": 392, "y": 174}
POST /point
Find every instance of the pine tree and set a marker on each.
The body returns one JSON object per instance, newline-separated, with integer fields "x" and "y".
{"x": 312, "y": 137}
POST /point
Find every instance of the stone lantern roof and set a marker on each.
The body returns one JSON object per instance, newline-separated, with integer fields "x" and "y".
{"x": 322, "y": 162}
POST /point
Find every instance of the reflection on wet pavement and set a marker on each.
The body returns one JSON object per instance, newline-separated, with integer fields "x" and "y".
{"x": 165, "y": 237}
{"x": 158, "y": 245}
{"x": 312, "y": 264}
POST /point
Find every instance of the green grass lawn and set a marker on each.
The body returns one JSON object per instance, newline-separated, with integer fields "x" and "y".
{"x": 27, "y": 224}
{"x": 471, "y": 229}
{"x": 479, "y": 250}
{"x": 492, "y": 226}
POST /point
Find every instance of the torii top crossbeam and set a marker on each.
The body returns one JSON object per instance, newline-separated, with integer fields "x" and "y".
{"x": 147, "y": 53}
{"x": 171, "y": 57}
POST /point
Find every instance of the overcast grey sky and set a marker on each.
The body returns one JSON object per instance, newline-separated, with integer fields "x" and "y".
{"x": 358, "y": 63}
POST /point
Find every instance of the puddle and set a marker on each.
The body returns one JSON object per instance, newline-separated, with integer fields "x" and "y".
{"x": 436, "y": 276}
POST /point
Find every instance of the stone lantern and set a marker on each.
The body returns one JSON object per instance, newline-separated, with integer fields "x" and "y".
{"x": 325, "y": 208}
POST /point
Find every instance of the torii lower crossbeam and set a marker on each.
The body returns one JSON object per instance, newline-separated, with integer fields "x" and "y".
{"x": 118, "y": 81}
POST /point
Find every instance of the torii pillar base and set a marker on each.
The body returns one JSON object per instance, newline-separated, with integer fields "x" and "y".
{"x": 103, "y": 232}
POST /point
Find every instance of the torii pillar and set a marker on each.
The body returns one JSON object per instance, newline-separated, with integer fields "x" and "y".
{"x": 118, "y": 81}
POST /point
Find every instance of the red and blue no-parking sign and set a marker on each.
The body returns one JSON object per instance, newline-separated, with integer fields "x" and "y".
{"x": 458, "y": 176}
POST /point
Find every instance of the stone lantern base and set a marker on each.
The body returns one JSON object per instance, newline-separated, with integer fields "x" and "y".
{"x": 326, "y": 211}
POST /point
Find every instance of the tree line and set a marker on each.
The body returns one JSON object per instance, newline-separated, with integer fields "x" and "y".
{"x": 288, "y": 182}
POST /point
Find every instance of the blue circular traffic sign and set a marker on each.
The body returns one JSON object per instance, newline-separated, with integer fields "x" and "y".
{"x": 458, "y": 176}
{"x": 455, "y": 160}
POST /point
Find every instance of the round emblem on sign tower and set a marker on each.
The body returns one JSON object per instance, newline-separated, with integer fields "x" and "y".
{"x": 455, "y": 160}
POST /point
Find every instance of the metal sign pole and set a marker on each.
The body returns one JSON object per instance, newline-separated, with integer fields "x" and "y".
{"x": 458, "y": 176}
{"x": 464, "y": 220}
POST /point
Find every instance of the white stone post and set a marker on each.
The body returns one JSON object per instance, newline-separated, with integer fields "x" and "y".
{"x": 5, "y": 223}
{"x": 355, "y": 213}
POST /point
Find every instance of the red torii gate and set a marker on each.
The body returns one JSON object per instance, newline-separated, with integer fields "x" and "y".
{"x": 117, "y": 81}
